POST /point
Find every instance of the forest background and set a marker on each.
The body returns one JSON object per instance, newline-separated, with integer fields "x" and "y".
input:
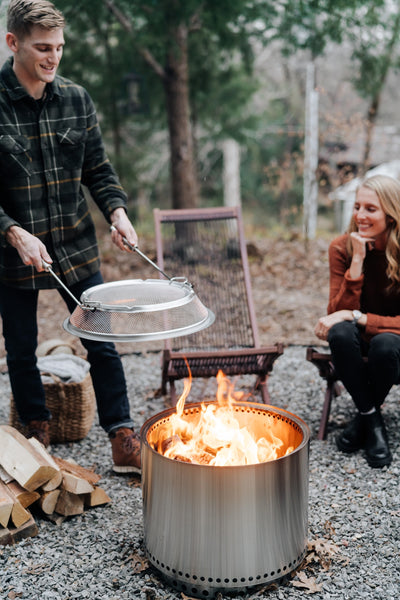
{"x": 205, "y": 103}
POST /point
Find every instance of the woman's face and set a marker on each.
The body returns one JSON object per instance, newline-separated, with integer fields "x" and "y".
{"x": 369, "y": 216}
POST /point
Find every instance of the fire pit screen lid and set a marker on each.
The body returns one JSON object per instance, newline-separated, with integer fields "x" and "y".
{"x": 139, "y": 310}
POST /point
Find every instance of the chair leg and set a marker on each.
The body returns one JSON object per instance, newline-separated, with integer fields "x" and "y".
{"x": 172, "y": 391}
{"x": 266, "y": 398}
{"x": 261, "y": 384}
{"x": 326, "y": 409}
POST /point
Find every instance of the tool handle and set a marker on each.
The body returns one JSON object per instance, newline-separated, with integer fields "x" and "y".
{"x": 136, "y": 249}
{"x": 47, "y": 267}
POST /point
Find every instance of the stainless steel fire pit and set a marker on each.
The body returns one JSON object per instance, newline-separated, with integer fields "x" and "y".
{"x": 210, "y": 529}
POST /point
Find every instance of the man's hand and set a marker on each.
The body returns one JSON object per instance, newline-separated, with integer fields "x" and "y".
{"x": 31, "y": 250}
{"x": 123, "y": 229}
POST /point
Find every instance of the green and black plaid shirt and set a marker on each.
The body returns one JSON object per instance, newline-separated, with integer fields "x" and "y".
{"x": 48, "y": 149}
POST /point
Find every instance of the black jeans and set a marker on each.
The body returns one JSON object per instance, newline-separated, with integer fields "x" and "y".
{"x": 369, "y": 382}
{"x": 18, "y": 309}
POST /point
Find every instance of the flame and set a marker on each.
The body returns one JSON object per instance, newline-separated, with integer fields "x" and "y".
{"x": 215, "y": 436}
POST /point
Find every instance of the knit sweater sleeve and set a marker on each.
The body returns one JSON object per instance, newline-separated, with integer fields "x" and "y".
{"x": 344, "y": 292}
{"x": 381, "y": 324}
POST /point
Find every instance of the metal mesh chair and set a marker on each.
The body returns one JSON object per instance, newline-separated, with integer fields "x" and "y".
{"x": 208, "y": 247}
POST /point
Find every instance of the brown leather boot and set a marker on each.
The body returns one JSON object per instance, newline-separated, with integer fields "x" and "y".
{"x": 40, "y": 431}
{"x": 125, "y": 444}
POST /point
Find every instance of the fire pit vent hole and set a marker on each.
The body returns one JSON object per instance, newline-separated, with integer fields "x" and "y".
{"x": 245, "y": 582}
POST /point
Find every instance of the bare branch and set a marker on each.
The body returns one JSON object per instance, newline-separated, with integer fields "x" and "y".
{"x": 127, "y": 25}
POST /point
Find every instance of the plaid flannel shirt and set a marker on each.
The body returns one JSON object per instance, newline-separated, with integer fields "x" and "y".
{"x": 48, "y": 149}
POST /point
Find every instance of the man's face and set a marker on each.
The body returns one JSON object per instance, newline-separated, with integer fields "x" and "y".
{"x": 37, "y": 56}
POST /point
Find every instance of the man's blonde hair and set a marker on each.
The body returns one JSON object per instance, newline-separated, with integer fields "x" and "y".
{"x": 22, "y": 15}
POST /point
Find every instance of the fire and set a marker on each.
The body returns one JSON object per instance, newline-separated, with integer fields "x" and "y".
{"x": 215, "y": 436}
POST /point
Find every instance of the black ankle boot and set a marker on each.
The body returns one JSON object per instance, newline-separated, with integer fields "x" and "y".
{"x": 377, "y": 450}
{"x": 352, "y": 437}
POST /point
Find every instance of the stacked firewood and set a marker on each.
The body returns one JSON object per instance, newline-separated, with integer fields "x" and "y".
{"x": 31, "y": 477}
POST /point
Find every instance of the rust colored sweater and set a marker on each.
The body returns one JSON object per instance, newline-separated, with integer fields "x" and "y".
{"x": 367, "y": 293}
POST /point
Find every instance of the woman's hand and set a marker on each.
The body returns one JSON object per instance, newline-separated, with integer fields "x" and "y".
{"x": 325, "y": 323}
{"x": 360, "y": 245}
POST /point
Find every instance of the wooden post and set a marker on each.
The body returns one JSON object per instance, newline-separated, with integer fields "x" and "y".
{"x": 231, "y": 175}
{"x": 310, "y": 186}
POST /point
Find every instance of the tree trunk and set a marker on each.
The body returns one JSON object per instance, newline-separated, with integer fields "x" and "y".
{"x": 370, "y": 126}
{"x": 183, "y": 172}
{"x": 175, "y": 78}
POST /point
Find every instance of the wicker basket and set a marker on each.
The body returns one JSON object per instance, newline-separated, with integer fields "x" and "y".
{"x": 72, "y": 406}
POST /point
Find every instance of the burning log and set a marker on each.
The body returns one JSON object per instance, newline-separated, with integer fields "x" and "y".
{"x": 216, "y": 436}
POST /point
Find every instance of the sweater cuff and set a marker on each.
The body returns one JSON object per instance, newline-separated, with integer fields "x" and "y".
{"x": 356, "y": 282}
{"x": 5, "y": 224}
{"x": 372, "y": 326}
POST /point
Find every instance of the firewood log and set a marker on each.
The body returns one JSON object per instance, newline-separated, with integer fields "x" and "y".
{"x": 25, "y": 463}
{"x": 69, "y": 504}
{"x": 74, "y": 484}
{"x": 12, "y": 535}
{"x": 6, "y": 504}
{"x": 28, "y": 529}
{"x": 53, "y": 483}
{"x": 4, "y": 476}
{"x": 97, "y": 497}
{"x": 75, "y": 469}
{"x": 48, "y": 501}
{"x": 19, "y": 514}
{"x": 25, "y": 497}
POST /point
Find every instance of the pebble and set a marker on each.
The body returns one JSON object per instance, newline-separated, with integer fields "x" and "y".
{"x": 354, "y": 508}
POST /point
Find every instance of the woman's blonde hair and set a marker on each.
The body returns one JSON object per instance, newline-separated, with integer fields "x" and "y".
{"x": 388, "y": 191}
{"x": 22, "y": 15}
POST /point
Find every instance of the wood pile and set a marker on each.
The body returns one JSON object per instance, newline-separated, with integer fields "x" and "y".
{"x": 31, "y": 478}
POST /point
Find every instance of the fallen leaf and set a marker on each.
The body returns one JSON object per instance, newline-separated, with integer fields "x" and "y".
{"x": 323, "y": 546}
{"x": 139, "y": 563}
{"x": 308, "y": 584}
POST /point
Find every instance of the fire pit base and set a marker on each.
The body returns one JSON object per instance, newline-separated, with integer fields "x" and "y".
{"x": 226, "y": 529}
{"x": 198, "y": 587}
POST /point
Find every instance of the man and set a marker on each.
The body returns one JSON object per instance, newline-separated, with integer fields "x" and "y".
{"x": 51, "y": 145}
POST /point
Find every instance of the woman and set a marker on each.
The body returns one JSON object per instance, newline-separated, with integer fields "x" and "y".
{"x": 364, "y": 313}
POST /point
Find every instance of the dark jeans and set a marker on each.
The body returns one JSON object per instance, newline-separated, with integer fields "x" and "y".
{"x": 368, "y": 383}
{"x": 18, "y": 309}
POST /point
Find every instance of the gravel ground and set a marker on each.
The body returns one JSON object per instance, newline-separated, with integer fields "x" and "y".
{"x": 354, "y": 511}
